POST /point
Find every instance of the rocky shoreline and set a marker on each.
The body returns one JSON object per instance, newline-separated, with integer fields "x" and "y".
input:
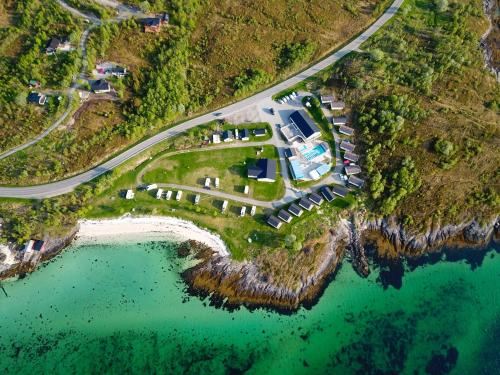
{"x": 228, "y": 283}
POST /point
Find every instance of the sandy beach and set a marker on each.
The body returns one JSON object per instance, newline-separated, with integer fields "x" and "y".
{"x": 129, "y": 228}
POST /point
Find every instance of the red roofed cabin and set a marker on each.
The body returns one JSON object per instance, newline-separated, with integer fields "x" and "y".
{"x": 154, "y": 24}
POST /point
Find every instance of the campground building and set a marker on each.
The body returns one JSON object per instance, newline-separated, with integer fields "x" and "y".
{"x": 264, "y": 170}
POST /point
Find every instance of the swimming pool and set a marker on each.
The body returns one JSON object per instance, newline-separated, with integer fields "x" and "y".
{"x": 314, "y": 152}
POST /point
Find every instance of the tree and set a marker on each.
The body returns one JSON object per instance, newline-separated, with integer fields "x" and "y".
{"x": 441, "y": 5}
{"x": 145, "y": 6}
{"x": 377, "y": 54}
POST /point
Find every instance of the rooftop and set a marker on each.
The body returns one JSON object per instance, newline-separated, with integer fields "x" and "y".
{"x": 264, "y": 169}
{"x": 285, "y": 216}
{"x": 304, "y": 123}
{"x": 294, "y": 209}
{"x": 305, "y": 203}
{"x": 340, "y": 190}
{"x": 327, "y": 193}
{"x": 274, "y": 222}
{"x": 356, "y": 181}
{"x": 346, "y": 130}
{"x": 351, "y": 156}
{"x": 315, "y": 198}
{"x": 347, "y": 146}
{"x": 352, "y": 169}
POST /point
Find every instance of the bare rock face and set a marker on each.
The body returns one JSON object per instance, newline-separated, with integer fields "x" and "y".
{"x": 465, "y": 234}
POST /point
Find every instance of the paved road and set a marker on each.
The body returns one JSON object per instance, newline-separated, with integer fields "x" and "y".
{"x": 68, "y": 185}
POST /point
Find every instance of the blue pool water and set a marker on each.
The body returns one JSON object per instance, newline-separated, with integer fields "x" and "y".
{"x": 314, "y": 152}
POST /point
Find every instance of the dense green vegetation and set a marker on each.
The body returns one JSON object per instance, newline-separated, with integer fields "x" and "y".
{"x": 421, "y": 100}
{"x": 249, "y": 80}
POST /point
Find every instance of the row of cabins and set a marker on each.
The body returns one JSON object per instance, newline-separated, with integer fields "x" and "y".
{"x": 237, "y": 134}
{"x": 314, "y": 199}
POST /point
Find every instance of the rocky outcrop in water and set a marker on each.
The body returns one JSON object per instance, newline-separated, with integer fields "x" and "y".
{"x": 491, "y": 39}
{"x": 405, "y": 243}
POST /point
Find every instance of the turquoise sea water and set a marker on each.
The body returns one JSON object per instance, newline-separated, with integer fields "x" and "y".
{"x": 123, "y": 309}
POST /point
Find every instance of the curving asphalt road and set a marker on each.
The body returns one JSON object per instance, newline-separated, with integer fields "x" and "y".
{"x": 68, "y": 185}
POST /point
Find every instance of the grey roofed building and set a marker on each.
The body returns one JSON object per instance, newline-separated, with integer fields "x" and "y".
{"x": 327, "y": 193}
{"x": 295, "y": 210}
{"x": 340, "y": 120}
{"x": 351, "y": 156}
{"x": 337, "y": 106}
{"x": 327, "y": 99}
{"x": 316, "y": 199}
{"x": 305, "y": 124}
{"x": 259, "y": 132}
{"x": 100, "y": 86}
{"x": 347, "y": 146}
{"x": 36, "y": 98}
{"x": 274, "y": 222}
{"x": 306, "y": 204}
{"x": 352, "y": 169}
{"x": 356, "y": 181}
{"x": 340, "y": 191}
{"x": 285, "y": 216}
{"x": 265, "y": 170}
{"x": 244, "y": 134}
{"x": 346, "y": 130}
{"x": 290, "y": 153}
{"x": 227, "y": 135}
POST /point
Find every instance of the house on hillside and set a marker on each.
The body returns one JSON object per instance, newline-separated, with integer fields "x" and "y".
{"x": 118, "y": 71}
{"x": 61, "y": 44}
{"x": 36, "y": 98}
{"x": 154, "y": 24}
{"x": 264, "y": 170}
{"x": 100, "y": 86}
{"x": 347, "y": 146}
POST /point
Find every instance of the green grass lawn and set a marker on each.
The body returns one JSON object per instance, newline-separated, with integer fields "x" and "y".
{"x": 229, "y": 165}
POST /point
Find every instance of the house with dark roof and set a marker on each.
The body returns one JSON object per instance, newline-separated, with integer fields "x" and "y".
{"x": 39, "y": 246}
{"x": 36, "y": 98}
{"x": 340, "y": 191}
{"x": 260, "y": 132}
{"x": 244, "y": 135}
{"x": 316, "y": 199}
{"x": 351, "y": 156}
{"x": 306, "y": 204}
{"x": 61, "y": 44}
{"x": 154, "y": 24}
{"x": 305, "y": 125}
{"x": 100, "y": 86}
{"x": 295, "y": 210}
{"x": 346, "y": 130}
{"x": 227, "y": 136}
{"x": 327, "y": 193}
{"x": 264, "y": 170}
{"x": 356, "y": 181}
{"x": 118, "y": 71}
{"x": 352, "y": 169}
{"x": 347, "y": 146}
{"x": 274, "y": 222}
{"x": 285, "y": 216}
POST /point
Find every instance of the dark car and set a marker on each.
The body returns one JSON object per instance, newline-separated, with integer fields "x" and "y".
{"x": 272, "y": 111}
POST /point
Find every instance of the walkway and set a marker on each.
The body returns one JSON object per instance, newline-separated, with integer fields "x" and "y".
{"x": 68, "y": 185}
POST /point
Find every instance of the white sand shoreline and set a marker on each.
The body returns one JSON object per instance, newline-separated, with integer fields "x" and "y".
{"x": 129, "y": 229}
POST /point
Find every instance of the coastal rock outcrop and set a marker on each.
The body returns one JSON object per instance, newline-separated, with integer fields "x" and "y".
{"x": 277, "y": 280}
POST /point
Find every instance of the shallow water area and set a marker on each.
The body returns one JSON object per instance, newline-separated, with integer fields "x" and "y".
{"x": 122, "y": 308}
